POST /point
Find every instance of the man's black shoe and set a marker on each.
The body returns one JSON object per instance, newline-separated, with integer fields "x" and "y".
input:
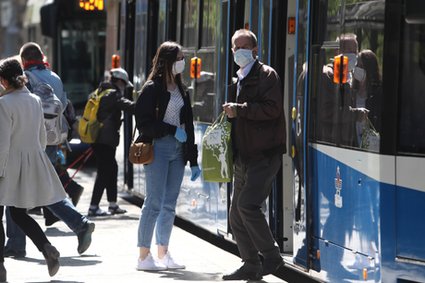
{"x": 50, "y": 219}
{"x": 245, "y": 272}
{"x": 271, "y": 265}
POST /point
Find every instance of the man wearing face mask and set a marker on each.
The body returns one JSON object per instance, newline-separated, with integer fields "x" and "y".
{"x": 109, "y": 114}
{"x": 336, "y": 101}
{"x": 255, "y": 109}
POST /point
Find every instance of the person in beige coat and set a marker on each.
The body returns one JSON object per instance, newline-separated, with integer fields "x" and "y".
{"x": 27, "y": 177}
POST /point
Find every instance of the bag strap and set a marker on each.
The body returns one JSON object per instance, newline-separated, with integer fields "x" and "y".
{"x": 157, "y": 115}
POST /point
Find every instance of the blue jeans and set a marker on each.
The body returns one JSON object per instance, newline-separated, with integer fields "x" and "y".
{"x": 64, "y": 210}
{"x": 163, "y": 179}
{"x": 52, "y": 153}
{"x": 16, "y": 237}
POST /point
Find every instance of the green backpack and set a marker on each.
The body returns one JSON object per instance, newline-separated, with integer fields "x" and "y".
{"x": 89, "y": 126}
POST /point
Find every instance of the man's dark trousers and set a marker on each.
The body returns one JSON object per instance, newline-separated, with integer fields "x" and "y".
{"x": 252, "y": 186}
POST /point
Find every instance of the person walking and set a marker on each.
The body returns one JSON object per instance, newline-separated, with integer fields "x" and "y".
{"x": 255, "y": 109}
{"x": 164, "y": 117}
{"x": 109, "y": 114}
{"x": 27, "y": 177}
{"x": 32, "y": 60}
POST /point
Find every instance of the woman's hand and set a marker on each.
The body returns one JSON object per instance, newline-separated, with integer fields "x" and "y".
{"x": 196, "y": 172}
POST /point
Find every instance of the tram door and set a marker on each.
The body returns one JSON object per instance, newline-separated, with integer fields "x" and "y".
{"x": 324, "y": 211}
{"x": 410, "y": 190}
{"x": 258, "y": 16}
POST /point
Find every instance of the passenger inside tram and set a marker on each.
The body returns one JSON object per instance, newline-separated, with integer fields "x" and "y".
{"x": 335, "y": 122}
{"x": 367, "y": 90}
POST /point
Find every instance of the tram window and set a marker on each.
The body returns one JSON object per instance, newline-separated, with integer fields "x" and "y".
{"x": 162, "y": 21}
{"x": 411, "y": 134}
{"x": 339, "y": 116}
{"x": 140, "y": 44}
{"x": 81, "y": 66}
{"x": 209, "y": 23}
{"x": 257, "y": 18}
{"x": 190, "y": 23}
{"x": 204, "y": 97}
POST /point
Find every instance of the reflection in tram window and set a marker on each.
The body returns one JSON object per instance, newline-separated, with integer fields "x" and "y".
{"x": 339, "y": 114}
{"x": 411, "y": 133}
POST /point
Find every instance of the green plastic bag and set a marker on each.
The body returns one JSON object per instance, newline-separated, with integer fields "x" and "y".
{"x": 217, "y": 157}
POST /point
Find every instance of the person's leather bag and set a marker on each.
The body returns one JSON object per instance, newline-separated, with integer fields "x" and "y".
{"x": 140, "y": 152}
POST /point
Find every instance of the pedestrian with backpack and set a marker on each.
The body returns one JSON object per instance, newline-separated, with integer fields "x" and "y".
{"x": 32, "y": 60}
{"x": 111, "y": 102}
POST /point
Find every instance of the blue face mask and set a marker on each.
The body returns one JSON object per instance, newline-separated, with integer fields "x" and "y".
{"x": 243, "y": 57}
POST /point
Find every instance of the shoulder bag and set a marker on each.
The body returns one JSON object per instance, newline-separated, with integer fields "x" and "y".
{"x": 140, "y": 152}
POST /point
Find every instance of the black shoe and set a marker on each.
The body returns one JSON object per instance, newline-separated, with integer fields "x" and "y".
{"x": 245, "y": 272}
{"x": 35, "y": 210}
{"x": 116, "y": 210}
{"x": 271, "y": 265}
{"x": 12, "y": 253}
{"x": 51, "y": 255}
{"x": 97, "y": 212}
{"x": 49, "y": 218}
{"x": 75, "y": 191}
{"x": 3, "y": 273}
{"x": 84, "y": 238}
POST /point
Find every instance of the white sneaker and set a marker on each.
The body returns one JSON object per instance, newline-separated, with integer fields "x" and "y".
{"x": 170, "y": 263}
{"x": 150, "y": 264}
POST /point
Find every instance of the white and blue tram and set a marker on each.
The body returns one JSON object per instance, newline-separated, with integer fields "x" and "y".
{"x": 342, "y": 209}
{"x": 361, "y": 205}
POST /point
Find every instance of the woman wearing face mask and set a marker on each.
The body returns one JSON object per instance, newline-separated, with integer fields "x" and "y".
{"x": 368, "y": 90}
{"x": 164, "y": 117}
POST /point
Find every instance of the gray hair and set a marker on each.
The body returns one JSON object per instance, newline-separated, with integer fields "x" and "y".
{"x": 245, "y": 32}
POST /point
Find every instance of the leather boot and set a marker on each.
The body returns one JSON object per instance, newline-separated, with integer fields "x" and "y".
{"x": 51, "y": 255}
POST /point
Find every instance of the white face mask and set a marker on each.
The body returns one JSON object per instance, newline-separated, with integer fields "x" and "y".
{"x": 243, "y": 57}
{"x": 359, "y": 74}
{"x": 352, "y": 60}
{"x": 178, "y": 67}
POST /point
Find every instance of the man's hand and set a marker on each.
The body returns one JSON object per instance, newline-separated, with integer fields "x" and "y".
{"x": 231, "y": 108}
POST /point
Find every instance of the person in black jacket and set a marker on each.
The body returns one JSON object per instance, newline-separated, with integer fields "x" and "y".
{"x": 109, "y": 114}
{"x": 164, "y": 117}
{"x": 255, "y": 109}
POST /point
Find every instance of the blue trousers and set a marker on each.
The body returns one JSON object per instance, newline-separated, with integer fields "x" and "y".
{"x": 64, "y": 210}
{"x": 163, "y": 180}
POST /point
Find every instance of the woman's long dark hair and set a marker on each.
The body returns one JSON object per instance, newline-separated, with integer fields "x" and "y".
{"x": 165, "y": 57}
{"x": 11, "y": 71}
{"x": 370, "y": 64}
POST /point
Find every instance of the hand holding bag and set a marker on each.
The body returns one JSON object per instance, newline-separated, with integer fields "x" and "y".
{"x": 140, "y": 152}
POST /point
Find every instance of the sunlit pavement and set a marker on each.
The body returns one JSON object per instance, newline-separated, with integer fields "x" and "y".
{"x": 112, "y": 257}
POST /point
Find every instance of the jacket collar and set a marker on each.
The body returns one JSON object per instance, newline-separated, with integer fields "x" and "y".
{"x": 254, "y": 70}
